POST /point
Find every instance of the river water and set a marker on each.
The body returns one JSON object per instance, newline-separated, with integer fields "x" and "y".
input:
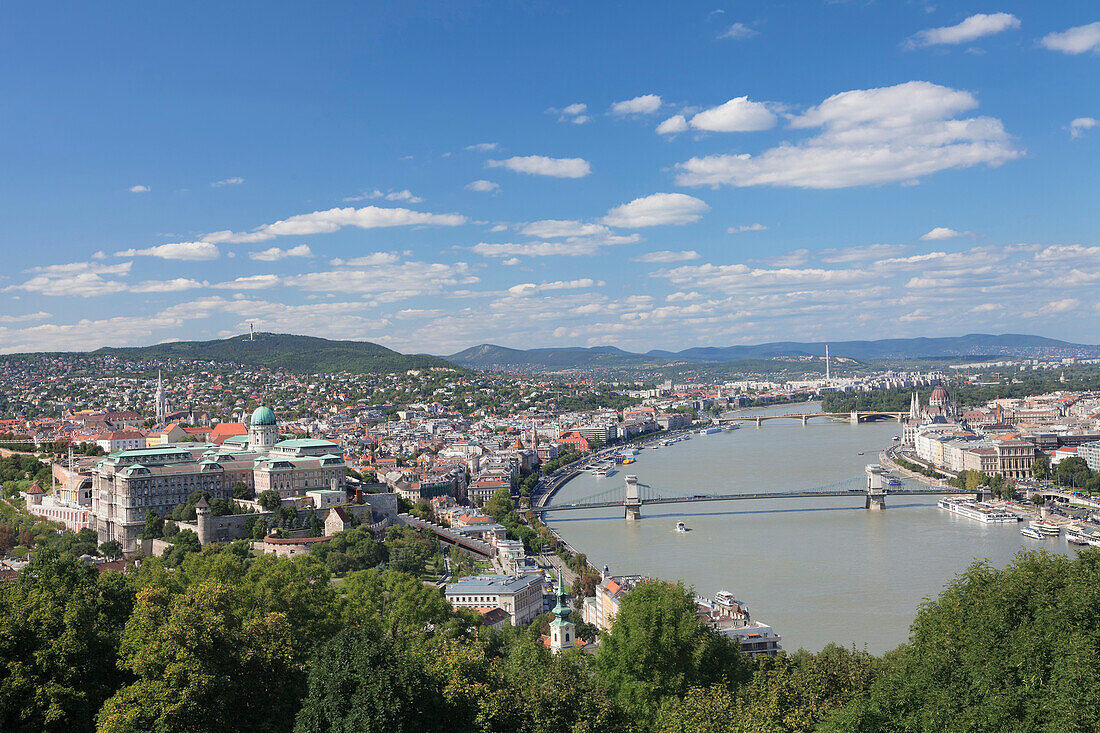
{"x": 817, "y": 570}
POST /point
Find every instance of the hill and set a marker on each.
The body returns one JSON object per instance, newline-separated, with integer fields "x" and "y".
{"x": 489, "y": 356}
{"x": 303, "y": 354}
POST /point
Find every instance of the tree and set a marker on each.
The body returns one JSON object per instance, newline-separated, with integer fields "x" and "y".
{"x": 270, "y": 500}
{"x": 657, "y": 648}
{"x": 203, "y": 664}
{"x": 111, "y": 548}
{"x": 394, "y": 601}
{"x": 154, "y": 525}
{"x": 59, "y": 634}
{"x": 259, "y": 528}
{"x": 365, "y": 681}
{"x": 1040, "y": 468}
{"x": 315, "y": 528}
{"x": 242, "y": 491}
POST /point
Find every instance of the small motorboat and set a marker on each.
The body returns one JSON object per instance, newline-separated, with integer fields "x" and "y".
{"x": 1031, "y": 533}
{"x": 681, "y": 527}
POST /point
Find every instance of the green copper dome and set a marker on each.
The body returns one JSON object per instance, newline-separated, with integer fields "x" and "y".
{"x": 262, "y": 416}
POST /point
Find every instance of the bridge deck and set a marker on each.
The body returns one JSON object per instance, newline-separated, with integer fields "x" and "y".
{"x": 862, "y": 493}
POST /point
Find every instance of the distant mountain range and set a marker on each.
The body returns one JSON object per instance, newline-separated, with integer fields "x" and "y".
{"x": 488, "y": 356}
{"x": 302, "y": 354}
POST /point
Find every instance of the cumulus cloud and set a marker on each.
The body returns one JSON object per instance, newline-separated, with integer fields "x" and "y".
{"x": 574, "y": 113}
{"x": 673, "y": 125}
{"x": 332, "y": 220}
{"x": 527, "y": 289}
{"x": 388, "y": 282}
{"x": 81, "y": 279}
{"x": 540, "y": 165}
{"x": 666, "y": 255}
{"x": 483, "y": 147}
{"x": 234, "y": 181}
{"x": 25, "y": 317}
{"x": 939, "y": 233}
{"x": 1079, "y": 125}
{"x": 737, "y": 115}
{"x": 557, "y": 228}
{"x": 861, "y": 253}
{"x": 483, "y": 186}
{"x": 1075, "y": 40}
{"x": 971, "y": 29}
{"x": 1060, "y": 306}
{"x": 175, "y": 251}
{"x": 139, "y": 189}
{"x": 374, "y": 258}
{"x": 868, "y": 136}
{"x": 250, "y": 282}
{"x": 644, "y": 105}
{"x": 656, "y": 210}
{"x": 174, "y": 285}
{"x": 570, "y": 247}
{"x": 738, "y": 31}
{"x": 746, "y": 228}
{"x": 274, "y": 253}
{"x": 403, "y": 195}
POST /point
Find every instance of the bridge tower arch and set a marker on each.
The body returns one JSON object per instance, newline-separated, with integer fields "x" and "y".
{"x": 633, "y": 500}
{"x": 854, "y": 418}
{"x": 876, "y": 495}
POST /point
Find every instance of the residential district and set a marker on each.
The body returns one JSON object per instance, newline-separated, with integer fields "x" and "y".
{"x": 143, "y": 461}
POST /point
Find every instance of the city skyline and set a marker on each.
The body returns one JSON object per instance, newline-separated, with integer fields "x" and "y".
{"x": 431, "y": 178}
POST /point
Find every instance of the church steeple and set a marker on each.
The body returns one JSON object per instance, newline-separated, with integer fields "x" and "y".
{"x": 562, "y": 631}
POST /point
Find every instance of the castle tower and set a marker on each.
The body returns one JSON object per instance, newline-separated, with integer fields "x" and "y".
{"x": 263, "y": 433}
{"x": 563, "y": 634}
{"x": 202, "y": 519}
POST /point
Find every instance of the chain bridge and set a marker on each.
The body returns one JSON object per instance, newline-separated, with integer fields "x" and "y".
{"x": 633, "y": 495}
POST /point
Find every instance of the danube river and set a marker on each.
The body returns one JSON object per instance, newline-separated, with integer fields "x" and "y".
{"x": 818, "y": 570}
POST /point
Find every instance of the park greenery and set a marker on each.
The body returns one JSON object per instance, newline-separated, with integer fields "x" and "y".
{"x": 231, "y": 642}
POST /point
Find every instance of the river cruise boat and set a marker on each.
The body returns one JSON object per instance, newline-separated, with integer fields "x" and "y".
{"x": 681, "y": 527}
{"x": 1031, "y": 533}
{"x": 1075, "y": 538}
{"x": 1044, "y": 527}
{"x": 979, "y": 511}
{"x": 711, "y": 430}
{"x": 602, "y": 471}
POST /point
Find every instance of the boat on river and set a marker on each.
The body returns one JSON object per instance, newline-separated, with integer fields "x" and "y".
{"x": 1044, "y": 527}
{"x": 681, "y": 527}
{"x": 1031, "y": 533}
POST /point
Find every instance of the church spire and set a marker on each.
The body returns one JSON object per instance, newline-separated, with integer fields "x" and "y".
{"x": 562, "y": 631}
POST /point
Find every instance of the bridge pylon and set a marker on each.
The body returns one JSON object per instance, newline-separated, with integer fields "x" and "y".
{"x": 876, "y": 495}
{"x": 854, "y": 418}
{"x": 632, "y": 502}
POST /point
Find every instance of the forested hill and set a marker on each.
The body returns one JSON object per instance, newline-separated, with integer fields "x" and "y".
{"x": 305, "y": 354}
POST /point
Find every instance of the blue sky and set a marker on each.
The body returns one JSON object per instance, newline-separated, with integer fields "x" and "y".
{"x": 432, "y": 176}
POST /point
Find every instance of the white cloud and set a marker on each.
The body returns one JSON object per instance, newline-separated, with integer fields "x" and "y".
{"x": 175, "y": 251}
{"x": 575, "y": 109}
{"x": 746, "y": 228}
{"x": 274, "y": 253}
{"x": 861, "y": 253}
{"x": 1075, "y": 40}
{"x": 557, "y": 228}
{"x": 80, "y": 279}
{"x": 26, "y": 317}
{"x": 250, "y": 282}
{"x": 1081, "y": 124}
{"x": 404, "y": 195}
{"x": 166, "y": 286}
{"x": 527, "y": 289}
{"x": 1060, "y": 306}
{"x": 371, "y": 260}
{"x": 387, "y": 282}
{"x": 736, "y": 115}
{"x": 332, "y": 220}
{"x": 939, "y": 233}
{"x": 971, "y": 29}
{"x": 571, "y": 247}
{"x": 673, "y": 125}
{"x": 738, "y": 31}
{"x": 794, "y": 258}
{"x": 234, "y": 181}
{"x": 869, "y": 136}
{"x": 666, "y": 256}
{"x": 483, "y": 147}
{"x": 574, "y": 113}
{"x": 540, "y": 165}
{"x": 656, "y": 210}
{"x": 482, "y": 186}
{"x": 139, "y": 189}
{"x": 644, "y": 105}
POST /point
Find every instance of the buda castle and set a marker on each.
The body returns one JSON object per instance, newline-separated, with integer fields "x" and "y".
{"x": 129, "y": 483}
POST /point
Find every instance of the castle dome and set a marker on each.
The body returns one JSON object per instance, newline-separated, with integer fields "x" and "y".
{"x": 939, "y": 397}
{"x": 262, "y": 416}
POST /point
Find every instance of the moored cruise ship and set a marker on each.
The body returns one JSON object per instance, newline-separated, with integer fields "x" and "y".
{"x": 977, "y": 510}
